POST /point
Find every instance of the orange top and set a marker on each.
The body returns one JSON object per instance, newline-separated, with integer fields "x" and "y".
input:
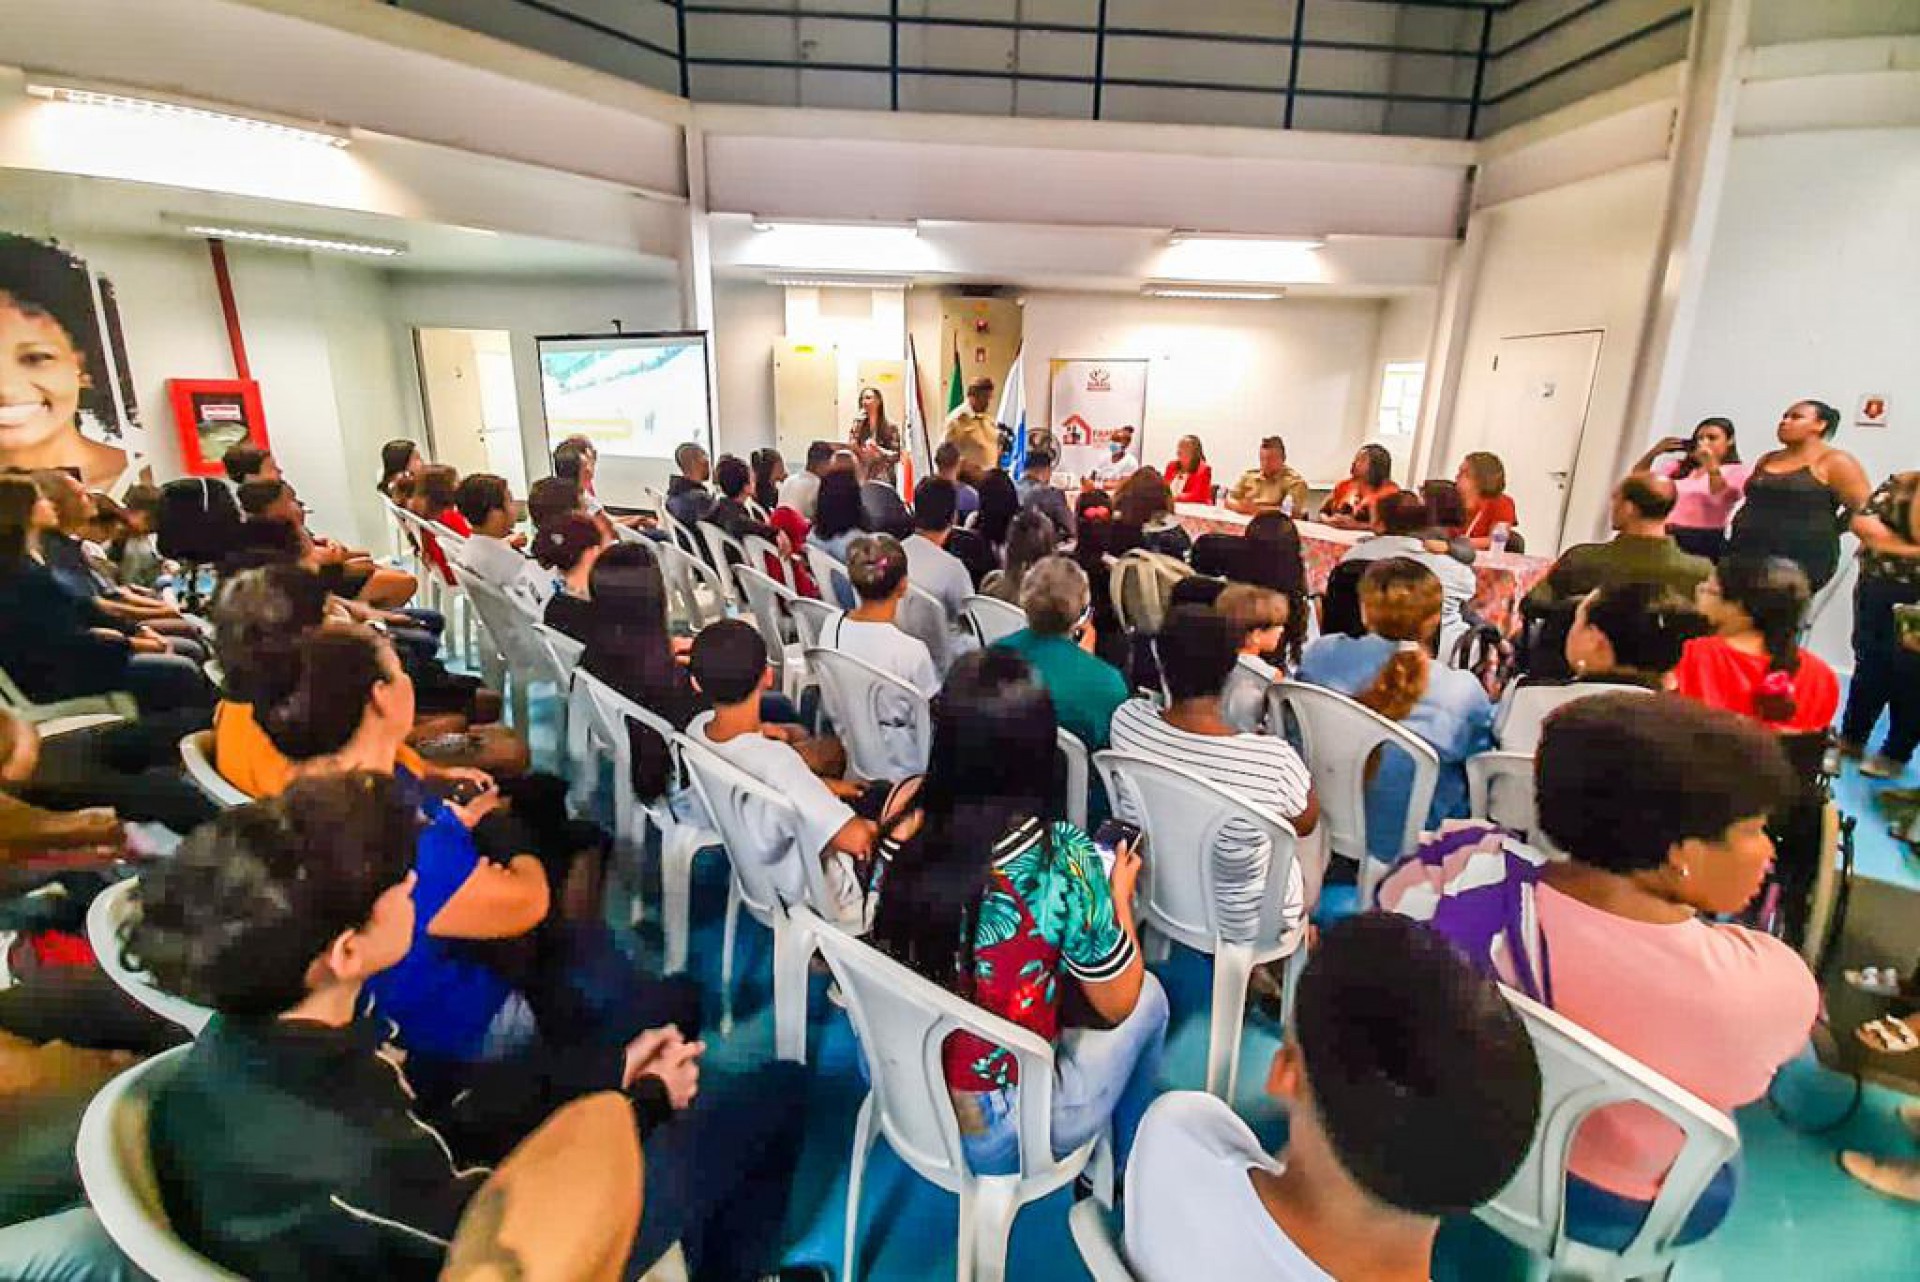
{"x": 247, "y": 759}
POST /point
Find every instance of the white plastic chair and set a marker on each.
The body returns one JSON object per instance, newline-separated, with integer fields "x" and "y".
{"x": 1338, "y": 736}
{"x": 1517, "y": 721}
{"x": 1500, "y": 790}
{"x": 902, "y": 1019}
{"x": 776, "y": 886}
{"x": 695, "y": 590}
{"x": 560, "y": 659}
{"x": 1098, "y": 1251}
{"x": 116, "y": 1169}
{"x": 196, "y": 758}
{"x": 1078, "y": 774}
{"x": 761, "y": 553}
{"x": 107, "y": 917}
{"x": 772, "y": 605}
{"x": 1183, "y": 816}
{"x": 509, "y": 631}
{"x": 597, "y": 730}
{"x": 868, "y": 707}
{"x": 828, "y": 574}
{"x": 1243, "y": 699}
{"x": 1580, "y": 1073}
{"x": 723, "y": 552}
{"x": 810, "y": 614}
{"x": 992, "y": 619}
{"x": 922, "y": 617}
{"x": 66, "y": 715}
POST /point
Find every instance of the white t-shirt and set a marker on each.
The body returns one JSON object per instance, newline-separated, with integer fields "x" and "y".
{"x": 822, "y": 815}
{"x": 505, "y": 567}
{"x": 1191, "y": 1207}
{"x": 801, "y": 492}
{"x": 936, "y": 571}
{"x": 897, "y": 654}
{"x": 1116, "y": 470}
{"x": 1263, "y": 769}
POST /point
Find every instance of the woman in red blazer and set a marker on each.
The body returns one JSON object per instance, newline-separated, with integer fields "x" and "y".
{"x": 1190, "y": 476}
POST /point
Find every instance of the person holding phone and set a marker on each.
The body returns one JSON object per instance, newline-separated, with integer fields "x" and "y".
{"x": 1706, "y": 470}
{"x": 983, "y": 894}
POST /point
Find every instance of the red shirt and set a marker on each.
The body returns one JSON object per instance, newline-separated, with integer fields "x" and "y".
{"x": 452, "y": 519}
{"x": 1489, "y": 513}
{"x": 1347, "y": 500}
{"x": 1198, "y": 486}
{"x": 1717, "y": 674}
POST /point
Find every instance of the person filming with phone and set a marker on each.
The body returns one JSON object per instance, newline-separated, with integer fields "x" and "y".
{"x": 986, "y": 893}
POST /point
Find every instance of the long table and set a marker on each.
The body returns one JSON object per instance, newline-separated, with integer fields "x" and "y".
{"x": 1501, "y": 579}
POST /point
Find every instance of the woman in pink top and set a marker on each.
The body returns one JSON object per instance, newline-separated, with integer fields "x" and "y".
{"x": 1711, "y": 480}
{"x": 1661, "y": 805}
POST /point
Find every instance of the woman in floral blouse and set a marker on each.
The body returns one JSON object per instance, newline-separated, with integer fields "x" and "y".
{"x": 985, "y": 893}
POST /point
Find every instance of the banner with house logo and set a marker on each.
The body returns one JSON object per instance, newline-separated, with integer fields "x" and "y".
{"x": 1092, "y": 399}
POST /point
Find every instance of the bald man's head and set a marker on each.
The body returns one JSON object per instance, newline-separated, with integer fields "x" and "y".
{"x": 1641, "y": 503}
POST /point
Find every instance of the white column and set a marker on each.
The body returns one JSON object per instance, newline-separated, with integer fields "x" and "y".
{"x": 1447, "y": 351}
{"x": 696, "y": 271}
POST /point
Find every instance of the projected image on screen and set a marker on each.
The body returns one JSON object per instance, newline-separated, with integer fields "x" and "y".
{"x": 633, "y": 396}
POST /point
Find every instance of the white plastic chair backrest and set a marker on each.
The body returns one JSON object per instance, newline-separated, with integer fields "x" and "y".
{"x": 686, "y": 574}
{"x": 769, "y": 601}
{"x": 507, "y": 624}
{"x": 420, "y": 530}
{"x": 116, "y": 1169}
{"x": 1077, "y": 776}
{"x": 1337, "y": 737}
{"x": 196, "y": 758}
{"x": 902, "y": 1020}
{"x": 1098, "y": 1250}
{"x": 1578, "y": 1074}
{"x": 923, "y": 617}
{"x": 66, "y": 714}
{"x": 1521, "y": 714}
{"x": 829, "y": 575}
{"x": 866, "y": 705}
{"x": 1500, "y": 790}
{"x": 678, "y": 534}
{"x": 723, "y": 551}
{"x": 993, "y": 619}
{"x": 597, "y": 716}
{"x": 562, "y": 652}
{"x": 1243, "y": 700}
{"x": 760, "y": 555}
{"x": 809, "y": 616}
{"x": 771, "y": 880}
{"x": 1184, "y": 817}
{"x": 107, "y": 918}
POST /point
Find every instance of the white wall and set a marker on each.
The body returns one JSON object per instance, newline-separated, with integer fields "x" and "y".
{"x": 747, "y": 318}
{"x": 1577, "y": 257}
{"x": 1809, "y": 293}
{"x": 1228, "y": 372}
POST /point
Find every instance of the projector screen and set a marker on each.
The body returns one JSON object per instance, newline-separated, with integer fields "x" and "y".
{"x": 637, "y": 397}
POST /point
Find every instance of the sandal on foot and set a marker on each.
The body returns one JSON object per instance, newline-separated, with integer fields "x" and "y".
{"x": 1889, "y": 1036}
{"x": 1889, "y": 1178}
{"x": 1875, "y": 981}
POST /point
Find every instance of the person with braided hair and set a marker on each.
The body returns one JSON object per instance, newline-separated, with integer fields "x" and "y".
{"x": 1754, "y": 664}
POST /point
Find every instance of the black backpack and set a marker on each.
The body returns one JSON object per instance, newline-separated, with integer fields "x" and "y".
{"x": 198, "y": 521}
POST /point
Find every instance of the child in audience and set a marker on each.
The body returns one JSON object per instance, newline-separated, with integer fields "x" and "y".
{"x": 729, "y": 664}
{"x": 569, "y": 546}
{"x": 1259, "y": 619}
{"x": 493, "y": 552}
{"x": 1407, "y": 1101}
{"x": 288, "y": 1144}
{"x": 1661, "y": 806}
{"x": 987, "y": 898}
{"x": 877, "y": 567}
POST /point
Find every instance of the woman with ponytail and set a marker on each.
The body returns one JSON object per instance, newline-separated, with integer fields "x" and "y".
{"x": 1391, "y": 670}
{"x": 1753, "y": 663}
{"x": 1800, "y": 496}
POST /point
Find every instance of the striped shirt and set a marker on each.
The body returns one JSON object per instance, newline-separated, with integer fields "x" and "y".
{"x": 1261, "y": 768}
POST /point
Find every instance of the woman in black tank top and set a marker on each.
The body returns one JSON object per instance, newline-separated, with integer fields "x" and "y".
{"x": 1800, "y": 496}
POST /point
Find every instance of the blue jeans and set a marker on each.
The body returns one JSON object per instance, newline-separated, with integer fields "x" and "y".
{"x": 1099, "y": 1075}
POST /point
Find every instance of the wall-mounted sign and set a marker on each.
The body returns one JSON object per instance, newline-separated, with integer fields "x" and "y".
{"x": 1872, "y": 411}
{"x": 213, "y": 415}
{"x": 1091, "y": 399}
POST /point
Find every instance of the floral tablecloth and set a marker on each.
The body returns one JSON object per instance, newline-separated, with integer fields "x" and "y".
{"x": 1501, "y": 579}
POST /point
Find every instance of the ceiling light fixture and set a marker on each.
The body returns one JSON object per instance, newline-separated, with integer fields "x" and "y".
{"x": 158, "y": 107}
{"x": 286, "y": 237}
{"x": 1213, "y": 293}
{"x": 764, "y": 223}
{"x": 840, "y": 282}
{"x": 1183, "y": 236}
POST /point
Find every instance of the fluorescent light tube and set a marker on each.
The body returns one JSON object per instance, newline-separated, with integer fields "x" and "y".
{"x": 286, "y": 237}
{"x": 1217, "y": 293}
{"x": 159, "y": 107}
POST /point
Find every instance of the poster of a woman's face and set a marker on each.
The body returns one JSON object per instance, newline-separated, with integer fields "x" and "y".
{"x": 58, "y": 406}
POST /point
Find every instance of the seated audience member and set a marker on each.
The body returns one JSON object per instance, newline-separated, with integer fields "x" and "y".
{"x": 1626, "y": 634}
{"x": 1369, "y": 479}
{"x": 1754, "y": 664}
{"x": 1271, "y": 485}
{"x": 1482, "y": 479}
{"x": 55, "y": 645}
{"x": 839, "y": 520}
{"x": 730, "y": 670}
{"x": 630, "y": 647}
{"x": 488, "y": 506}
{"x": 1093, "y": 515}
{"x": 877, "y": 567}
{"x": 1120, "y": 463}
{"x": 1407, "y": 1102}
{"x": 1270, "y": 557}
{"x": 688, "y": 498}
{"x": 1259, "y": 617}
{"x": 1058, "y": 644}
{"x": 1446, "y": 518}
{"x": 1398, "y": 522}
{"x": 575, "y": 459}
{"x": 1198, "y": 648}
{"x": 769, "y": 470}
{"x": 245, "y": 461}
{"x": 999, "y": 504}
{"x": 801, "y": 490}
{"x": 1030, "y": 539}
{"x": 969, "y": 850}
{"x": 30, "y": 834}
{"x": 277, "y": 525}
{"x": 1641, "y": 550}
{"x": 434, "y": 488}
{"x": 136, "y": 552}
{"x": 1390, "y": 671}
{"x": 1189, "y": 477}
{"x": 1661, "y": 806}
{"x": 398, "y": 458}
{"x": 569, "y": 547}
{"x": 884, "y": 510}
{"x": 551, "y": 499}
{"x": 932, "y": 568}
{"x": 289, "y": 1145}
{"x": 1143, "y": 518}
{"x": 731, "y": 512}
{"x": 1039, "y": 494}
{"x": 65, "y": 556}
{"x": 946, "y": 466}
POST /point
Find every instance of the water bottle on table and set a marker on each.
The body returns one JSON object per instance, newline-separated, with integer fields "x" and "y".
{"x": 1497, "y": 541}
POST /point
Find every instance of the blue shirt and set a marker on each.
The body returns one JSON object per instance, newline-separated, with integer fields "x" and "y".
{"x": 441, "y": 1001}
{"x": 1454, "y": 715}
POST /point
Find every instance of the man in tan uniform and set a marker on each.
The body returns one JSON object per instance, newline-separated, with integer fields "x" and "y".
{"x": 973, "y": 432}
{"x": 1271, "y": 484}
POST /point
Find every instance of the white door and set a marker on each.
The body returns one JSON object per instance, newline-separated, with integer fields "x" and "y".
{"x": 1536, "y": 412}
